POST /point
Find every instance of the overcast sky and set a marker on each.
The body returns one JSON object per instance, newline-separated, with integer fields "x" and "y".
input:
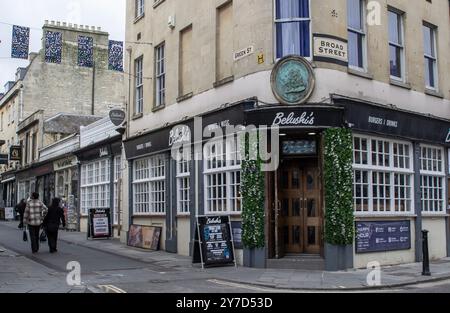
{"x": 108, "y": 14}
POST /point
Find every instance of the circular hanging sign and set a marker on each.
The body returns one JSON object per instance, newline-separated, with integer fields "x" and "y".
{"x": 117, "y": 117}
{"x": 292, "y": 80}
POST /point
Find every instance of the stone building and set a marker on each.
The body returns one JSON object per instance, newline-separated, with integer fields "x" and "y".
{"x": 62, "y": 82}
{"x": 375, "y": 67}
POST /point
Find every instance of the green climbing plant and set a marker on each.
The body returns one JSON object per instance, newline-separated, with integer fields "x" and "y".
{"x": 252, "y": 189}
{"x": 338, "y": 183}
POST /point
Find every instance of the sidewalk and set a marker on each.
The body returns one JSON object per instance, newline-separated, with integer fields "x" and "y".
{"x": 391, "y": 276}
{"x": 19, "y": 274}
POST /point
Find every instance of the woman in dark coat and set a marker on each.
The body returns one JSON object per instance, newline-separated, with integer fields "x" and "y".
{"x": 52, "y": 221}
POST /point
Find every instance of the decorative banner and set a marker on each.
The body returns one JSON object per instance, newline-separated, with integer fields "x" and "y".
{"x": 85, "y": 51}
{"x": 53, "y": 47}
{"x": 20, "y": 42}
{"x": 116, "y": 55}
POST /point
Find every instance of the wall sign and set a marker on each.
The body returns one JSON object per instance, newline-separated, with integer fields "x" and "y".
{"x": 299, "y": 147}
{"x": 117, "y": 117}
{"x": 382, "y": 120}
{"x": 15, "y": 153}
{"x": 292, "y": 80}
{"x": 144, "y": 237}
{"x": 243, "y": 53}
{"x": 100, "y": 225}
{"x": 383, "y": 236}
{"x": 216, "y": 240}
{"x": 330, "y": 49}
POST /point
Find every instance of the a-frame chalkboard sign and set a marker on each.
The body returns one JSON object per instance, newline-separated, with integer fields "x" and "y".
{"x": 214, "y": 245}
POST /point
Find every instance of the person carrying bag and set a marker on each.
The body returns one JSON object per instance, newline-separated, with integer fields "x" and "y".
{"x": 33, "y": 217}
{"x": 52, "y": 221}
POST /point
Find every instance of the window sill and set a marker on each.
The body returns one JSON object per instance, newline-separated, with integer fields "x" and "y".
{"x": 183, "y": 215}
{"x": 434, "y": 215}
{"x": 434, "y": 93}
{"x": 158, "y": 108}
{"x": 138, "y": 18}
{"x": 137, "y": 116}
{"x": 359, "y": 216}
{"x": 150, "y": 215}
{"x": 362, "y": 74}
{"x": 185, "y": 97}
{"x": 157, "y": 3}
{"x": 400, "y": 83}
{"x": 223, "y": 81}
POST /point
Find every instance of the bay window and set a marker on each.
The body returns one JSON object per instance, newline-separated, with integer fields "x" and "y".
{"x": 383, "y": 176}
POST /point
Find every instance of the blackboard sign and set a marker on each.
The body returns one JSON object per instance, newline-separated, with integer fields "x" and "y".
{"x": 216, "y": 240}
{"x": 100, "y": 225}
{"x": 383, "y": 236}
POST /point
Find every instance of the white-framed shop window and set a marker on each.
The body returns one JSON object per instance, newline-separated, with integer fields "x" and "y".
{"x": 117, "y": 177}
{"x": 149, "y": 186}
{"x": 183, "y": 186}
{"x": 95, "y": 186}
{"x": 383, "y": 176}
{"x": 432, "y": 179}
{"x": 222, "y": 177}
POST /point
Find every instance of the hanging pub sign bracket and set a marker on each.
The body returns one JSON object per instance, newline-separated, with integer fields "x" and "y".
{"x": 215, "y": 244}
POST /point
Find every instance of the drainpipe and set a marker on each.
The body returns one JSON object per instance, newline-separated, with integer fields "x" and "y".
{"x": 128, "y": 106}
{"x": 93, "y": 90}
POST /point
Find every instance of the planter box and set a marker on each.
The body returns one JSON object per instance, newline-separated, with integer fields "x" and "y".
{"x": 255, "y": 258}
{"x": 338, "y": 258}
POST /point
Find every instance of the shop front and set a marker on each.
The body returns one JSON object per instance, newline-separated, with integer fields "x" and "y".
{"x": 8, "y": 194}
{"x": 37, "y": 178}
{"x": 100, "y": 169}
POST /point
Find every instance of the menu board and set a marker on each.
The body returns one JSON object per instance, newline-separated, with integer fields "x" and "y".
{"x": 216, "y": 240}
{"x": 383, "y": 236}
{"x": 100, "y": 223}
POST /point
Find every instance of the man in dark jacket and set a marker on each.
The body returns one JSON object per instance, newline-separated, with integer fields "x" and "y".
{"x": 52, "y": 222}
{"x": 20, "y": 208}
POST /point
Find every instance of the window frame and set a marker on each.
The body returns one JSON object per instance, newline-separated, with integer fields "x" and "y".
{"x": 391, "y": 169}
{"x": 363, "y": 33}
{"x": 231, "y": 166}
{"x": 441, "y": 175}
{"x": 139, "y": 85}
{"x": 292, "y": 20}
{"x": 434, "y": 58}
{"x": 139, "y": 8}
{"x": 160, "y": 76}
{"x": 401, "y": 46}
{"x": 90, "y": 185}
{"x": 182, "y": 176}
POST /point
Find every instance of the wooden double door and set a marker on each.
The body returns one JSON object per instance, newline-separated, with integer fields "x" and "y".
{"x": 299, "y": 208}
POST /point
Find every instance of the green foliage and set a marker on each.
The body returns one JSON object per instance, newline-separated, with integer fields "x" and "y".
{"x": 338, "y": 181}
{"x": 252, "y": 189}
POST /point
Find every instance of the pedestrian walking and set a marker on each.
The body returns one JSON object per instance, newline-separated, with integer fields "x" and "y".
{"x": 35, "y": 212}
{"x": 20, "y": 208}
{"x": 52, "y": 221}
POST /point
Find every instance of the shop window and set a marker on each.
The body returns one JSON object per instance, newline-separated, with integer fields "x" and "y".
{"x": 383, "y": 176}
{"x": 293, "y": 28}
{"x": 149, "y": 186}
{"x": 183, "y": 186}
{"x": 222, "y": 176}
{"x": 95, "y": 185}
{"x": 432, "y": 179}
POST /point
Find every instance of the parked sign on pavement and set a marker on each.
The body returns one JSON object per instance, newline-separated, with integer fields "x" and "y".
{"x": 99, "y": 224}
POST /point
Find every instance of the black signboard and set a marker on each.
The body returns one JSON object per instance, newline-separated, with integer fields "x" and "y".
{"x": 386, "y": 121}
{"x": 216, "y": 240}
{"x": 4, "y": 159}
{"x": 298, "y": 116}
{"x": 117, "y": 117}
{"x": 100, "y": 224}
{"x": 15, "y": 153}
{"x": 237, "y": 235}
{"x": 383, "y": 236}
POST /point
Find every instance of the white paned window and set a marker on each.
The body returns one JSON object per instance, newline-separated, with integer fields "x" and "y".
{"x": 383, "y": 176}
{"x": 396, "y": 45}
{"x": 160, "y": 90}
{"x": 139, "y": 79}
{"x": 149, "y": 186}
{"x": 95, "y": 184}
{"x": 222, "y": 176}
{"x": 430, "y": 56}
{"x": 356, "y": 26}
{"x": 117, "y": 176}
{"x": 140, "y": 7}
{"x": 432, "y": 179}
{"x": 183, "y": 186}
